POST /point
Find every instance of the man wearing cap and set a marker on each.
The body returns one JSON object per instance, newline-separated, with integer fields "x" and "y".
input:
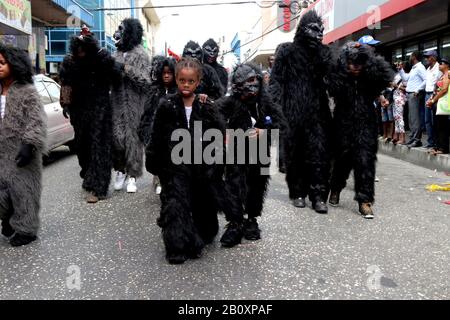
{"x": 369, "y": 40}
{"x": 433, "y": 75}
{"x": 415, "y": 90}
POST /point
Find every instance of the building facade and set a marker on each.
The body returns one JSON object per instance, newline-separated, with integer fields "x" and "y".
{"x": 401, "y": 26}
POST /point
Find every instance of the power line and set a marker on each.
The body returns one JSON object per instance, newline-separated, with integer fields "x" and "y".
{"x": 272, "y": 3}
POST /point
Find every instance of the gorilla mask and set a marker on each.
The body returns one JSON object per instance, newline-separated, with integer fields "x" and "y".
{"x": 128, "y": 35}
{"x": 193, "y": 50}
{"x": 210, "y": 51}
{"x": 354, "y": 57}
{"x": 310, "y": 29}
{"x": 246, "y": 83}
{"x": 118, "y": 35}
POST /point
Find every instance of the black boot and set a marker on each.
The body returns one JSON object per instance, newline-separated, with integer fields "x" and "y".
{"x": 21, "y": 239}
{"x": 320, "y": 207}
{"x": 7, "y": 230}
{"x": 334, "y": 198}
{"x": 251, "y": 229}
{"x": 233, "y": 235}
{"x": 299, "y": 202}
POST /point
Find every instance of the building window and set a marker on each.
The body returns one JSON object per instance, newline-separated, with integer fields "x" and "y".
{"x": 58, "y": 48}
{"x": 397, "y": 54}
{"x": 410, "y": 49}
{"x": 430, "y": 45}
{"x": 445, "y": 49}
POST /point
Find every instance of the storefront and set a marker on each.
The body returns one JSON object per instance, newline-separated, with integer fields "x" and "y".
{"x": 402, "y": 26}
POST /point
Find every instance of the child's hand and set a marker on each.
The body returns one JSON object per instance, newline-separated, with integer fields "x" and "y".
{"x": 256, "y": 132}
{"x": 202, "y": 97}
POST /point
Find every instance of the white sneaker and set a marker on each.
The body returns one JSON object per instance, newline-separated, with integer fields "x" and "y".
{"x": 131, "y": 185}
{"x": 120, "y": 180}
{"x": 377, "y": 179}
{"x": 158, "y": 189}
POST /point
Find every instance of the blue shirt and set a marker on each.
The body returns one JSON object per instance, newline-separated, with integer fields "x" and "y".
{"x": 417, "y": 78}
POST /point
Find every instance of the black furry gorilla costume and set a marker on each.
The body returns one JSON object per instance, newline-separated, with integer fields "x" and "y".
{"x": 297, "y": 83}
{"x": 210, "y": 84}
{"x": 193, "y": 193}
{"x": 355, "y": 119}
{"x": 250, "y": 106}
{"x": 210, "y": 54}
{"x": 86, "y": 82}
{"x": 157, "y": 91}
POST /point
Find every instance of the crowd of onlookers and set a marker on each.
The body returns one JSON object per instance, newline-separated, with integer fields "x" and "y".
{"x": 417, "y": 101}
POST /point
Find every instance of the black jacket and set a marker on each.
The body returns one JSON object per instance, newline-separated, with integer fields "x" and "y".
{"x": 170, "y": 116}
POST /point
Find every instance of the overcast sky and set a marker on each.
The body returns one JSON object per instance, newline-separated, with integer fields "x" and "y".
{"x": 202, "y": 23}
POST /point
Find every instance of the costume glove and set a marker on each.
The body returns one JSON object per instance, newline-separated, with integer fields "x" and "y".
{"x": 25, "y": 155}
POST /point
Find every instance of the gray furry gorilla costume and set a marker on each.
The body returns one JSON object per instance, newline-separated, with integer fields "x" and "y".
{"x": 22, "y": 142}
{"x": 130, "y": 97}
{"x": 298, "y": 84}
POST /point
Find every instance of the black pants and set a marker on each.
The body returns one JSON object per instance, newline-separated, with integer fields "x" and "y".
{"x": 443, "y": 133}
{"x": 363, "y": 162}
{"x": 247, "y": 189}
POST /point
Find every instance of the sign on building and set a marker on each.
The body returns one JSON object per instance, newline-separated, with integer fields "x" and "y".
{"x": 286, "y": 19}
{"x": 16, "y": 14}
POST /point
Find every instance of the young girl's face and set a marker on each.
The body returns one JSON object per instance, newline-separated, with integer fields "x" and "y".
{"x": 187, "y": 80}
{"x": 167, "y": 76}
{"x": 5, "y": 71}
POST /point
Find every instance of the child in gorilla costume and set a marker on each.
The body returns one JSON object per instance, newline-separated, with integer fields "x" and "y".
{"x": 297, "y": 82}
{"x": 164, "y": 84}
{"x": 22, "y": 142}
{"x": 358, "y": 77}
{"x": 210, "y": 54}
{"x": 250, "y": 107}
{"x": 129, "y": 100}
{"x": 210, "y": 84}
{"x": 193, "y": 193}
{"x": 87, "y": 74}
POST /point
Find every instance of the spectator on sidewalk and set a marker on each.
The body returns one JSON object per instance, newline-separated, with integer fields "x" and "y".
{"x": 433, "y": 75}
{"x": 441, "y": 96}
{"x": 398, "y": 110}
{"x": 387, "y": 115}
{"x": 415, "y": 90}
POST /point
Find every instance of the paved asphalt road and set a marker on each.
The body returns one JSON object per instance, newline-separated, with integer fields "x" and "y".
{"x": 116, "y": 246}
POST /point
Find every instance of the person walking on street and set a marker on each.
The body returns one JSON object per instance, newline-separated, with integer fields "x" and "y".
{"x": 416, "y": 79}
{"x": 22, "y": 142}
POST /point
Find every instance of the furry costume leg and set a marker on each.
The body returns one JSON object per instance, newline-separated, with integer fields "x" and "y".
{"x": 257, "y": 185}
{"x": 25, "y": 200}
{"x": 179, "y": 233}
{"x": 341, "y": 170}
{"x": 204, "y": 213}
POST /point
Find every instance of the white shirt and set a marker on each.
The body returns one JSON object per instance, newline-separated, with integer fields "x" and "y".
{"x": 188, "y": 110}
{"x": 433, "y": 75}
{"x": 417, "y": 78}
{"x": 3, "y": 106}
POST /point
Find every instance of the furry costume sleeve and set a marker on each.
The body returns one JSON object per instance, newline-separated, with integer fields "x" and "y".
{"x": 278, "y": 71}
{"x": 33, "y": 112}
{"x": 211, "y": 85}
{"x": 156, "y": 150}
{"x": 137, "y": 67}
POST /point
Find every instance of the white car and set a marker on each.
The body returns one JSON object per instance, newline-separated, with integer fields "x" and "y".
{"x": 59, "y": 130}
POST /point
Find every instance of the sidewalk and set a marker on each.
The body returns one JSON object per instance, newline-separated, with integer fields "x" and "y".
{"x": 417, "y": 156}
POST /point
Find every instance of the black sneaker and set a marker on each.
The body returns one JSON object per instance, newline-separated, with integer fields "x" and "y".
{"x": 320, "y": 207}
{"x": 21, "y": 239}
{"x": 232, "y": 236}
{"x": 299, "y": 202}
{"x": 251, "y": 229}
{"x": 334, "y": 199}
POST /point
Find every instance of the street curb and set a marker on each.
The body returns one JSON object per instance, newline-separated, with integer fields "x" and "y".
{"x": 417, "y": 156}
